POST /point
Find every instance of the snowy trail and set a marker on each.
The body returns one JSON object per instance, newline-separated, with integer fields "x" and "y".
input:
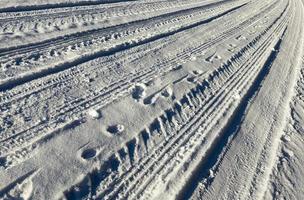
{"x": 34, "y": 5}
{"x": 147, "y": 99}
{"x": 105, "y": 91}
{"x": 283, "y": 180}
{"x": 73, "y": 50}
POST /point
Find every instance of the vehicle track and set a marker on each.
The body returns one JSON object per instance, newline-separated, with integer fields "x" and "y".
{"x": 42, "y": 27}
{"x": 9, "y": 95}
{"x": 213, "y": 158}
{"x": 172, "y": 145}
{"x": 64, "y": 53}
{"x": 253, "y": 185}
{"x": 59, "y": 5}
{"x": 148, "y": 99}
{"x": 11, "y": 141}
{"x": 161, "y": 167}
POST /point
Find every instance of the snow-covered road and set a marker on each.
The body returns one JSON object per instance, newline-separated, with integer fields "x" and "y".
{"x": 151, "y": 99}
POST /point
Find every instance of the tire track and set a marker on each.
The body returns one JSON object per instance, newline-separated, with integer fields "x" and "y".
{"x": 30, "y": 131}
{"x": 99, "y": 172}
{"x": 213, "y": 157}
{"x": 59, "y": 5}
{"x": 261, "y": 141}
{"x": 172, "y": 164}
{"x": 7, "y": 96}
{"x": 113, "y": 39}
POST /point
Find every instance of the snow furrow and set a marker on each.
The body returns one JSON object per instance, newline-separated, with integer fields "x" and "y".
{"x": 257, "y": 168}
{"x": 158, "y": 150}
{"x": 29, "y": 133}
{"x": 151, "y": 99}
{"x": 66, "y": 53}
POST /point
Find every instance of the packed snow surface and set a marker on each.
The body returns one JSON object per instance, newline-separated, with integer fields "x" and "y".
{"x": 151, "y": 99}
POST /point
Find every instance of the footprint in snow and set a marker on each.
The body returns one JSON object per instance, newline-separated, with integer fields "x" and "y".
{"x": 138, "y": 92}
{"x": 88, "y": 154}
{"x": 212, "y": 58}
{"x": 115, "y": 129}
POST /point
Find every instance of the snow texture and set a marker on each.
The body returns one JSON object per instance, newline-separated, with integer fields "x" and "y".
{"x": 151, "y": 99}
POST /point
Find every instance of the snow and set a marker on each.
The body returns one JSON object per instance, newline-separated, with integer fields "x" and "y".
{"x": 94, "y": 114}
{"x": 151, "y": 99}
